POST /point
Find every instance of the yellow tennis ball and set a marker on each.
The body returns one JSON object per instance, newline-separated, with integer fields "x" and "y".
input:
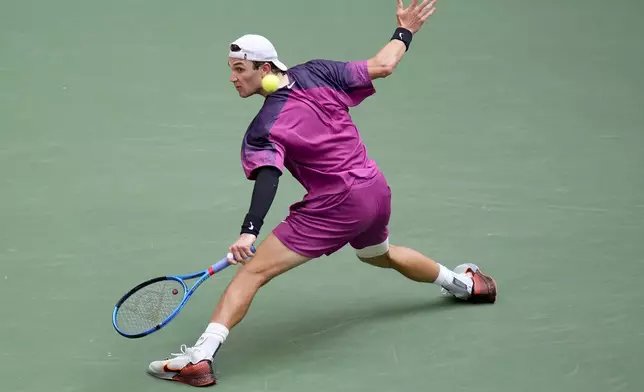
{"x": 270, "y": 83}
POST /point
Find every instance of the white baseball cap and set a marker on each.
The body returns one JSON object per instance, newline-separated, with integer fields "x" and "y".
{"x": 255, "y": 48}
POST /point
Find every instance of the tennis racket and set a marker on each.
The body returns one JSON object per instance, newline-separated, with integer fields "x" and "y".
{"x": 151, "y": 305}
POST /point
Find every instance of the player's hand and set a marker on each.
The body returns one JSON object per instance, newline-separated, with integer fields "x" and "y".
{"x": 240, "y": 251}
{"x": 413, "y": 17}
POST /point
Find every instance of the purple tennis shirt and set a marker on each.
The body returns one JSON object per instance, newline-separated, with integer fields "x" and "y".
{"x": 306, "y": 128}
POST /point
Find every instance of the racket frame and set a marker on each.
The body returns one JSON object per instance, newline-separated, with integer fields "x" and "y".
{"x": 203, "y": 276}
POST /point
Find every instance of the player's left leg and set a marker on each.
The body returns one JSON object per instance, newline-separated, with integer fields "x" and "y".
{"x": 193, "y": 365}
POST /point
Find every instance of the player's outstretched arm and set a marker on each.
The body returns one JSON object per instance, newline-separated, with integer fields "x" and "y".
{"x": 264, "y": 191}
{"x": 410, "y": 20}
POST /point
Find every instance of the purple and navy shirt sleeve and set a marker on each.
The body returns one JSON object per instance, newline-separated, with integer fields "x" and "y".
{"x": 260, "y": 147}
{"x": 351, "y": 77}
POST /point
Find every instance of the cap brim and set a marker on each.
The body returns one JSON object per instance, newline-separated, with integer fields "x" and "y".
{"x": 280, "y": 65}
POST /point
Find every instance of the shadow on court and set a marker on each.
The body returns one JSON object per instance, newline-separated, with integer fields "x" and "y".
{"x": 285, "y": 342}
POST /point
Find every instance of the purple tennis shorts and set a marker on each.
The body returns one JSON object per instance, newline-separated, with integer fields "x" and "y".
{"x": 322, "y": 225}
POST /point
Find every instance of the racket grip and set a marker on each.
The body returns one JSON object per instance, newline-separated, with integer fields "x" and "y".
{"x": 223, "y": 263}
{"x": 220, "y": 265}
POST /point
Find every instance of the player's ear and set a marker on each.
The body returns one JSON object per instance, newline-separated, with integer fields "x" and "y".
{"x": 266, "y": 69}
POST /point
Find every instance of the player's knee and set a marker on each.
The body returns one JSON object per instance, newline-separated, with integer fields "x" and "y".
{"x": 255, "y": 275}
{"x": 381, "y": 261}
{"x": 376, "y": 255}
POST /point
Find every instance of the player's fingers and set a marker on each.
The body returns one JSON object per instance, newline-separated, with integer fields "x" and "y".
{"x": 249, "y": 252}
{"x": 247, "y": 256}
{"x": 427, "y": 5}
{"x": 231, "y": 258}
{"x": 427, "y": 13}
{"x": 244, "y": 252}
{"x": 399, "y": 6}
{"x": 413, "y": 4}
{"x": 424, "y": 4}
{"x": 237, "y": 254}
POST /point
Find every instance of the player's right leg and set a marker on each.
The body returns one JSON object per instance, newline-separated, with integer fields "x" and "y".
{"x": 193, "y": 365}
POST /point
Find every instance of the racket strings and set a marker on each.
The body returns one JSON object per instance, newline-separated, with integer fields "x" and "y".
{"x": 149, "y": 306}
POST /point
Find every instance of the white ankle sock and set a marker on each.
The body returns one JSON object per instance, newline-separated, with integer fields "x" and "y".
{"x": 214, "y": 336}
{"x": 456, "y": 284}
{"x": 445, "y": 276}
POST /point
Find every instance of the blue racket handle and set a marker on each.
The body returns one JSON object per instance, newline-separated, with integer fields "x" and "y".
{"x": 223, "y": 263}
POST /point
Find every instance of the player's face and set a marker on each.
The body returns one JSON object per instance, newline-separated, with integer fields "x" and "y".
{"x": 247, "y": 81}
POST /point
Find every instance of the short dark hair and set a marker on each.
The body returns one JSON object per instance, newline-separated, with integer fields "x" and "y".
{"x": 274, "y": 69}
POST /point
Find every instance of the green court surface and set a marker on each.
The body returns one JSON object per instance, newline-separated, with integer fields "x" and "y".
{"x": 512, "y": 136}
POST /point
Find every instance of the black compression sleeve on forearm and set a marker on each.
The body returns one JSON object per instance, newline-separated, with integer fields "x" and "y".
{"x": 264, "y": 193}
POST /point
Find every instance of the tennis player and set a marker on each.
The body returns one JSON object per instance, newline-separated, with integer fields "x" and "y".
{"x": 305, "y": 127}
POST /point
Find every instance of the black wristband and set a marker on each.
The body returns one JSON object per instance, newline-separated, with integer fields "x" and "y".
{"x": 404, "y": 35}
{"x": 252, "y": 225}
